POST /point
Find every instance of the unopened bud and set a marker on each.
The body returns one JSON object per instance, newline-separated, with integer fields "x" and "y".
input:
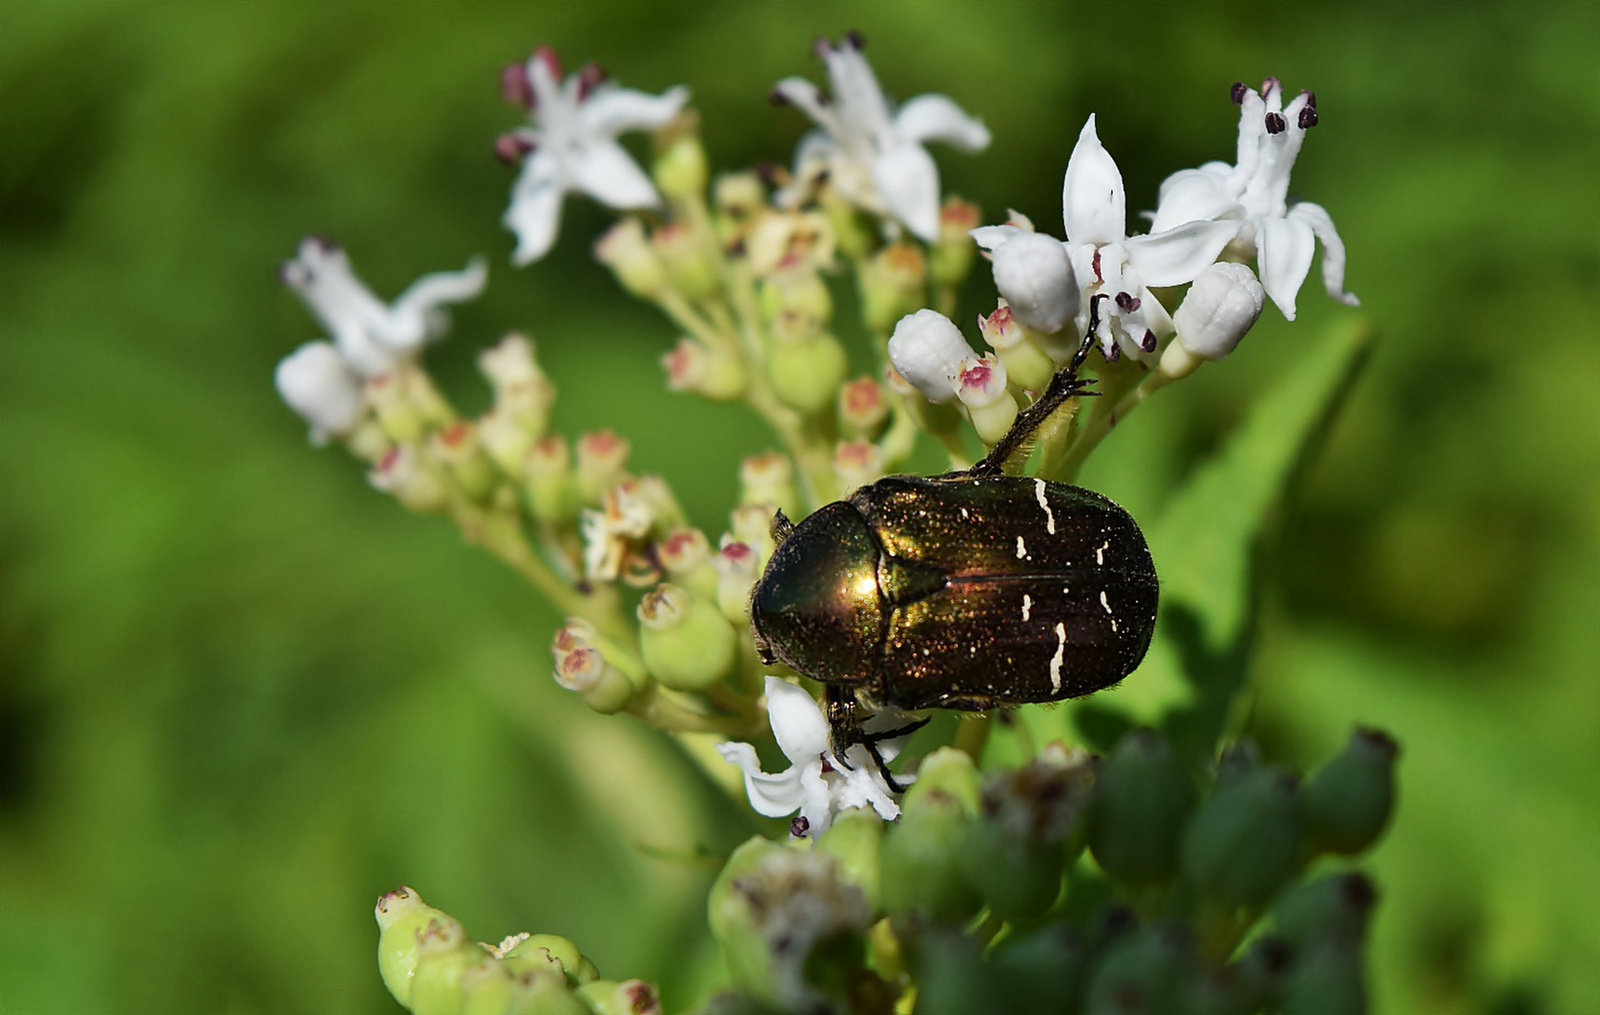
{"x": 738, "y": 195}
{"x": 680, "y": 168}
{"x": 806, "y": 370}
{"x": 584, "y": 669}
{"x": 1244, "y": 842}
{"x": 857, "y": 463}
{"x": 1142, "y": 802}
{"x": 751, "y": 524}
{"x": 1034, "y": 274}
{"x": 950, "y": 257}
{"x": 405, "y": 474}
{"x": 552, "y": 485}
{"x": 510, "y": 362}
{"x": 1336, "y": 907}
{"x": 690, "y": 264}
{"x": 625, "y": 997}
{"x": 320, "y": 387}
{"x": 1347, "y": 803}
{"x": 402, "y": 916}
{"x": 798, "y": 288}
{"x": 927, "y": 349}
{"x": 737, "y": 570}
{"x": 923, "y": 862}
{"x": 460, "y": 448}
{"x": 1328, "y": 980}
{"x": 704, "y": 371}
{"x": 1027, "y": 817}
{"x": 768, "y": 478}
{"x": 1036, "y": 969}
{"x": 1224, "y": 302}
{"x": 1145, "y": 971}
{"x": 685, "y": 555}
{"x": 626, "y": 250}
{"x": 688, "y": 644}
{"x": 855, "y": 839}
{"x": 863, "y": 408}
{"x": 602, "y": 463}
{"x": 1028, "y": 366}
{"x": 506, "y": 441}
{"x": 443, "y": 954}
{"x": 893, "y": 284}
{"x": 549, "y": 952}
{"x": 486, "y": 987}
{"x": 980, "y": 383}
{"x": 397, "y": 414}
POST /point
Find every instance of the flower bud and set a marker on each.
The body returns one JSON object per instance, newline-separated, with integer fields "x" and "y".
{"x": 582, "y": 667}
{"x": 737, "y": 196}
{"x": 707, "y": 372}
{"x": 320, "y": 387}
{"x": 411, "y": 479}
{"x": 443, "y": 954}
{"x": 927, "y": 349}
{"x": 1142, "y": 801}
{"x": 402, "y": 916}
{"x": 506, "y": 441}
{"x": 799, "y": 288}
{"x": 768, "y": 478}
{"x": 863, "y": 408}
{"x": 737, "y": 570}
{"x": 1224, "y": 302}
{"x": 486, "y": 987}
{"x": 893, "y": 284}
{"x": 1034, "y": 274}
{"x": 549, "y": 952}
{"x": 397, "y": 414}
{"x": 857, "y": 463}
{"x": 625, "y": 997}
{"x": 806, "y": 369}
{"x": 460, "y": 448}
{"x": 602, "y": 461}
{"x": 1347, "y": 803}
{"x": 690, "y": 263}
{"x": 980, "y": 383}
{"x": 1038, "y": 970}
{"x": 1331, "y": 908}
{"x": 626, "y": 250}
{"x": 923, "y": 862}
{"x": 1244, "y": 842}
{"x": 685, "y": 555}
{"x": 680, "y": 168}
{"x": 688, "y": 644}
{"x": 1028, "y": 366}
{"x": 855, "y": 839}
{"x": 510, "y": 363}
{"x": 552, "y": 485}
{"x": 1027, "y": 817}
{"x": 941, "y": 420}
{"x": 1145, "y": 971}
{"x": 951, "y": 255}
{"x": 543, "y": 992}
{"x": 751, "y": 524}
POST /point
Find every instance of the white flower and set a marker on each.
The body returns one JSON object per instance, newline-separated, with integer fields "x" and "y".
{"x": 874, "y": 157}
{"x": 1279, "y": 233}
{"x": 319, "y": 385}
{"x": 1107, "y": 265}
{"x": 625, "y": 516}
{"x": 373, "y": 336}
{"x": 572, "y": 145}
{"x": 815, "y": 784}
{"x": 928, "y": 349}
{"x": 1223, "y": 304}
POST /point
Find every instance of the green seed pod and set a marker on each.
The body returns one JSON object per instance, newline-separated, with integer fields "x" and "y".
{"x": 486, "y": 987}
{"x": 1142, "y": 801}
{"x": 1042, "y": 970}
{"x": 443, "y": 954}
{"x": 1328, "y": 980}
{"x": 402, "y": 916}
{"x": 806, "y": 369}
{"x": 923, "y": 862}
{"x": 1146, "y": 971}
{"x": 1244, "y": 844}
{"x": 855, "y": 839}
{"x": 893, "y": 284}
{"x": 1347, "y": 803}
{"x": 620, "y": 997}
{"x": 1330, "y": 908}
{"x": 1017, "y": 848}
{"x": 687, "y": 643}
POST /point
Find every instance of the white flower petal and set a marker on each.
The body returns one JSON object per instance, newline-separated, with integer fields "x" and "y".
{"x": 991, "y": 237}
{"x": 1179, "y": 254}
{"x": 1192, "y": 195}
{"x": 1286, "y": 247}
{"x": 606, "y": 172}
{"x": 817, "y": 798}
{"x": 317, "y": 383}
{"x": 413, "y": 316}
{"x": 1034, "y": 274}
{"x": 535, "y": 211}
{"x": 1321, "y": 224}
{"x": 862, "y": 785}
{"x": 772, "y": 796}
{"x": 797, "y": 721}
{"x": 1092, "y": 203}
{"x": 856, "y": 91}
{"x": 808, "y": 98}
{"x": 610, "y": 110}
{"x": 909, "y": 183}
{"x": 938, "y": 118}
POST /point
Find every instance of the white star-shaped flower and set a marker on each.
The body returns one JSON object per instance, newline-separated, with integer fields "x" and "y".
{"x": 371, "y": 335}
{"x": 1281, "y": 234}
{"x": 1102, "y": 259}
{"x": 815, "y": 783}
{"x": 872, "y": 155}
{"x": 572, "y": 145}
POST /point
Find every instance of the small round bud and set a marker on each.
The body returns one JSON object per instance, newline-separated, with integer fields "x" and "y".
{"x": 624, "y": 997}
{"x": 399, "y": 416}
{"x": 685, "y": 555}
{"x": 546, "y": 952}
{"x": 552, "y": 485}
{"x": 688, "y": 645}
{"x": 708, "y": 372}
{"x": 1224, "y": 302}
{"x": 320, "y": 387}
{"x": 506, "y": 441}
{"x": 892, "y": 285}
{"x": 626, "y": 250}
{"x": 855, "y": 839}
{"x": 1347, "y": 803}
{"x": 460, "y": 447}
{"x": 923, "y": 853}
{"x": 739, "y": 195}
{"x": 680, "y": 169}
{"x": 768, "y": 478}
{"x": 1142, "y": 801}
{"x": 583, "y": 668}
{"x": 1027, "y": 817}
{"x": 951, "y": 255}
{"x": 737, "y": 570}
{"x": 1034, "y": 274}
{"x": 1331, "y": 908}
{"x": 1145, "y": 971}
{"x": 602, "y": 463}
{"x": 980, "y": 383}
{"x": 1037, "y": 969}
{"x": 927, "y": 349}
{"x": 751, "y": 524}
{"x": 806, "y": 370}
{"x": 486, "y": 987}
{"x": 1328, "y": 980}
{"x": 689, "y": 262}
{"x": 1028, "y": 366}
{"x": 443, "y": 954}
{"x": 799, "y": 288}
{"x": 511, "y": 362}
{"x": 402, "y": 916}
{"x": 857, "y": 463}
{"x": 863, "y": 408}
{"x": 412, "y": 480}
{"x": 1244, "y": 843}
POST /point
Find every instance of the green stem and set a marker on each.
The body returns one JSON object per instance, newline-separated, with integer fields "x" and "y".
{"x": 1091, "y": 433}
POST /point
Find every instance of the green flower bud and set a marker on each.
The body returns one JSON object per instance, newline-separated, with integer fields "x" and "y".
{"x": 680, "y": 168}
{"x": 951, "y": 256}
{"x": 1016, "y": 848}
{"x": 751, "y": 524}
{"x": 443, "y": 954}
{"x": 506, "y": 441}
{"x": 980, "y": 384}
{"x": 806, "y": 369}
{"x": 1326, "y": 981}
{"x": 1244, "y": 843}
{"x": 893, "y": 284}
{"x": 688, "y": 644}
{"x": 543, "y": 992}
{"x": 737, "y": 570}
{"x": 460, "y": 448}
{"x": 1028, "y": 367}
{"x": 855, "y": 839}
{"x": 552, "y": 486}
{"x": 546, "y": 951}
{"x": 736, "y": 197}
{"x": 397, "y": 414}
{"x": 1142, "y": 801}
{"x": 1146, "y": 971}
{"x": 951, "y": 977}
{"x": 685, "y": 555}
{"x": 413, "y": 479}
{"x": 583, "y": 667}
{"x": 624, "y": 997}
{"x": 1330, "y": 908}
{"x": 689, "y": 259}
{"x": 1347, "y": 803}
{"x": 1041, "y": 970}
{"x": 799, "y": 289}
{"x": 923, "y": 854}
{"x": 701, "y": 370}
{"x": 402, "y": 916}
{"x": 1246, "y": 986}
{"x": 863, "y": 408}
{"x": 768, "y": 478}
{"x": 486, "y": 987}
{"x": 857, "y": 463}
{"x": 522, "y": 391}
{"x": 626, "y": 250}
{"x": 602, "y": 464}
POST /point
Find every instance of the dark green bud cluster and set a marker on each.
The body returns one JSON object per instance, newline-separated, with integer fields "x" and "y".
{"x": 981, "y": 898}
{"x": 432, "y": 968}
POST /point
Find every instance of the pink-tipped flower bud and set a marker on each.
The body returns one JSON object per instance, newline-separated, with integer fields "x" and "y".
{"x": 1224, "y": 302}
{"x": 320, "y": 387}
{"x": 510, "y": 362}
{"x": 1034, "y": 274}
{"x": 863, "y": 407}
{"x": 602, "y": 462}
{"x": 738, "y": 567}
{"x": 403, "y": 473}
{"x": 768, "y": 478}
{"x": 626, "y": 250}
{"x": 710, "y": 373}
{"x": 685, "y": 555}
{"x": 460, "y": 447}
{"x": 1028, "y": 366}
{"x": 980, "y": 383}
{"x": 857, "y": 463}
{"x": 927, "y": 349}
{"x": 951, "y": 255}
{"x": 581, "y": 666}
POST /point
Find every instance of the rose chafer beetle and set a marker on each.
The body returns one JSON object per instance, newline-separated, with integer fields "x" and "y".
{"x": 971, "y": 590}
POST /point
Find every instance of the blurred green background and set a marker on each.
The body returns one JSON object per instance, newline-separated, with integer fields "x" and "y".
{"x": 241, "y": 694}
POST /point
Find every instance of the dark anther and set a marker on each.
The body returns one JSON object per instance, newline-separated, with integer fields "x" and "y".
{"x": 324, "y": 244}
{"x": 799, "y": 826}
{"x": 1308, "y": 117}
{"x": 822, "y": 47}
{"x": 1237, "y": 93}
{"x": 1095, "y": 264}
{"x": 510, "y": 149}
{"x": 1275, "y": 123}
{"x": 1148, "y": 343}
{"x": 590, "y": 78}
{"x": 515, "y": 87}
{"x": 1268, "y": 85}
{"x": 1311, "y": 98}
{"x": 854, "y": 38}
{"x": 1127, "y": 302}
{"x": 777, "y": 98}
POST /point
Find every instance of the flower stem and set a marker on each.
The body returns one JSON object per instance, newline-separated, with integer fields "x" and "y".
{"x": 1094, "y": 430}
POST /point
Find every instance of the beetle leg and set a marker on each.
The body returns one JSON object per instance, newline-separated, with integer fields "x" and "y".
{"x": 781, "y": 527}
{"x": 1064, "y": 385}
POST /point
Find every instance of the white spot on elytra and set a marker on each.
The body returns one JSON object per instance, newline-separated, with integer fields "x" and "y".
{"x": 963, "y": 512}
{"x": 1100, "y": 553}
{"x": 1022, "y": 548}
{"x": 1027, "y": 605}
{"x": 1104, "y": 602}
{"x": 1061, "y": 652}
{"x": 1050, "y": 516}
